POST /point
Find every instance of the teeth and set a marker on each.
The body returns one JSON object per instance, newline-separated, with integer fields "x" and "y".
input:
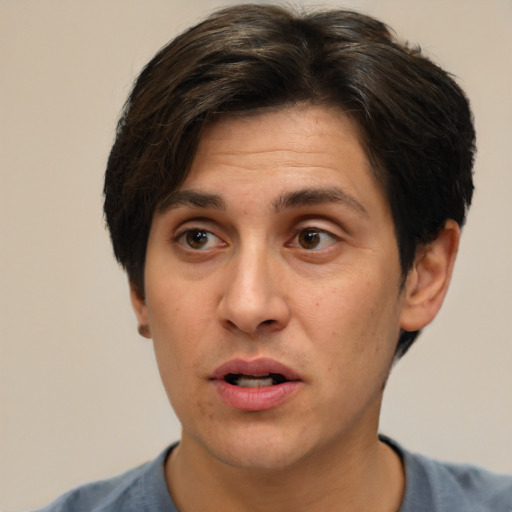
{"x": 253, "y": 382}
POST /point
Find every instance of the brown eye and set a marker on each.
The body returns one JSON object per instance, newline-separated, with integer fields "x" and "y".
{"x": 309, "y": 239}
{"x": 199, "y": 239}
{"x": 196, "y": 239}
{"x": 314, "y": 239}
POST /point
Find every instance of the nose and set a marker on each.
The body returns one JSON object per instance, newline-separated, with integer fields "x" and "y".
{"x": 254, "y": 298}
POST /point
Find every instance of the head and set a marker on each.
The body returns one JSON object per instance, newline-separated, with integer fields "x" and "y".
{"x": 413, "y": 120}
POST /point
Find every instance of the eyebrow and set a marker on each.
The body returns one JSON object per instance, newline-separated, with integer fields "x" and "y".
{"x": 311, "y": 196}
{"x": 192, "y": 198}
{"x": 293, "y": 199}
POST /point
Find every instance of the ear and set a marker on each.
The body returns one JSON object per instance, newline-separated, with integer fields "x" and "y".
{"x": 428, "y": 280}
{"x": 141, "y": 311}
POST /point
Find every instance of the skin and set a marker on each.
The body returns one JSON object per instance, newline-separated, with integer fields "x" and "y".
{"x": 249, "y": 268}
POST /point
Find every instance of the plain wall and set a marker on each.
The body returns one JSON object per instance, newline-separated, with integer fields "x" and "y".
{"x": 80, "y": 396}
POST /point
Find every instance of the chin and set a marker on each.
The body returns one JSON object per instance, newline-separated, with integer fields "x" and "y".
{"x": 271, "y": 458}
{"x": 258, "y": 447}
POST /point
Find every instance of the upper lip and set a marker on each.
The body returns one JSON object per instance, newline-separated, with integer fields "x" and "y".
{"x": 255, "y": 367}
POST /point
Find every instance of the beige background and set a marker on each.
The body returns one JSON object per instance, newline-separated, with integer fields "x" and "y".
{"x": 80, "y": 395}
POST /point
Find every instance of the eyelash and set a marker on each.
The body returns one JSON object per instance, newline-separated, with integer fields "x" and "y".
{"x": 319, "y": 236}
{"x": 181, "y": 237}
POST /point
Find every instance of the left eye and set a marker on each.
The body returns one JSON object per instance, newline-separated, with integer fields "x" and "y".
{"x": 198, "y": 239}
{"x": 313, "y": 239}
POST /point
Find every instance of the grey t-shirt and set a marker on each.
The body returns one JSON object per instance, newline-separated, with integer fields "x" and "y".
{"x": 431, "y": 486}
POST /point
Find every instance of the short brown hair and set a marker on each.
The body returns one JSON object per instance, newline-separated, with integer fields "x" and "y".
{"x": 415, "y": 121}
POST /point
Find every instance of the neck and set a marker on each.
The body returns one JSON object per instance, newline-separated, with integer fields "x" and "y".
{"x": 366, "y": 476}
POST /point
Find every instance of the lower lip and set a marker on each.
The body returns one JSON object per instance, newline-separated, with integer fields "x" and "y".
{"x": 255, "y": 399}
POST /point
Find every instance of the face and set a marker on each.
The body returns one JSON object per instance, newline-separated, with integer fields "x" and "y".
{"x": 272, "y": 291}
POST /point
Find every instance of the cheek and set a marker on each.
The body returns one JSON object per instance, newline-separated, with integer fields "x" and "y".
{"x": 180, "y": 325}
{"x": 176, "y": 309}
{"x": 356, "y": 321}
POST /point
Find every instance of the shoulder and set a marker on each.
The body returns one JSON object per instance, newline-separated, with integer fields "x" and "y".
{"x": 482, "y": 490}
{"x": 140, "y": 489}
{"x": 435, "y": 486}
{"x": 491, "y": 490}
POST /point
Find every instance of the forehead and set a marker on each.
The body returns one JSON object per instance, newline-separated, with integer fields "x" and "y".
{"x": 290, "y": 137}
{"x": 280, "y": 151}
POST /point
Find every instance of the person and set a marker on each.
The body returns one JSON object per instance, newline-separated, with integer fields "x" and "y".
{"x": 286, "y": 192}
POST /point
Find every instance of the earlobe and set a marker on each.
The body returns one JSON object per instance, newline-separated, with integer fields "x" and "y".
{"x": 140, "y": 310}
{"x": 429, "y": 279}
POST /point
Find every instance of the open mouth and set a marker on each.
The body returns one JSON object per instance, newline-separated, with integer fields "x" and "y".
{"x": 255, "y": 381}
{"x": 255, "y": 384}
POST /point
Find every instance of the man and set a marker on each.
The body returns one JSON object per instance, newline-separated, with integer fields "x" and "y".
{"x": 286, "y": 193}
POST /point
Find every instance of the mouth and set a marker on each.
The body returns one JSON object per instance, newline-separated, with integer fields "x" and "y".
{"x": 256, "y": 385}
{"x": 255, "y": 381}
{"x": 255, "y": 373}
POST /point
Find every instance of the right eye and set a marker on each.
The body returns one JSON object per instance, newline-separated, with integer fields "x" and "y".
{"x": 199, "y": 239}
